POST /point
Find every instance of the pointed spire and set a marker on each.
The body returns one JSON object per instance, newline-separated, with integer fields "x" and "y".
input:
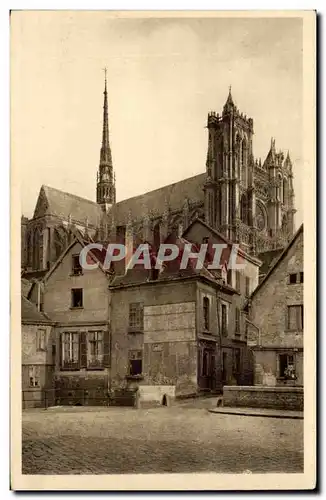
{"x": 229, "y": 103}
{"x": 229, "y": 99}
{"x": 105, "y": 149}
{"x": 106, "y": 194}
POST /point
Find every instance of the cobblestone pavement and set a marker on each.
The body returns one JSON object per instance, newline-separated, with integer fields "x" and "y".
{"x": 175, "y": 439}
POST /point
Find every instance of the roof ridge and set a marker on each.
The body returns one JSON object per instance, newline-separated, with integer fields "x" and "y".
{"x": 72, "y": 195}
{"x": 162, "y": 187}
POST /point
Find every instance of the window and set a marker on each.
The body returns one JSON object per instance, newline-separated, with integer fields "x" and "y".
{"x": 247, "y": 286}
{"x": 77, "y": 297}
{"x": 301, "y": 277}
{"x": 40, "y": 339}
{"x": 205, "y": 366}
{"x": 286, "y": 364}
{"x": 34, "y": 376}
{"x": 136, "y": 316}
{"x": 229, "y": 277}
{"x": 292, "y": 278}
{"x": 206, "y": 313}
{"x": 76, "y": 267}
{"x": 95, "y": 349}
{"x": 70, "y": 350}
{"x": 135, "y": 363}
{"x": 237, "y": 281}
{"x": 295, "y": 317}
{"x": 224, "y": 320}
{"x": 54, "y": 353}
{"x": 237, "y": 321}
{"x": 236, "y": 361}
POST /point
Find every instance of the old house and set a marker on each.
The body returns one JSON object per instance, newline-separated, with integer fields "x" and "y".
{"x": 236, "y": 358}
{"x": 165, "y": 331}
{"x": 38, "y": 355}
{"x": 276, "y": 318}
{"x": 78, "y": 302}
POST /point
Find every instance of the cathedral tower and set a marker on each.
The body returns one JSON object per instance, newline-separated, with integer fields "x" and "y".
{"x": 248, "y": 202}
{"x": 105, "y": 190}
{"x": 228, "y": 188}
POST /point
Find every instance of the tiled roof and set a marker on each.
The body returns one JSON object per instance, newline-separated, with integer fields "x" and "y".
{"x": 30, "y": 314}
{"x": 276, "y": 262}
{"x": 155, "y": 201}
{"x": 65, "y": 204}
{"x": 268, "y": 258}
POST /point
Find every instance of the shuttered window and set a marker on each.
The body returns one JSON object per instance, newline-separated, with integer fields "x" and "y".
{"x": 295, "y": 317}
{"x": 70, "y": 350}
{"x": 95, "y": 349}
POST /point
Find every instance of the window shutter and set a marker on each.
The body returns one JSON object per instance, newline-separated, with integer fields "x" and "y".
{"x": 60, "y": 350}
{"x": 83, "y": 349}
{"x": 106, "y": 349}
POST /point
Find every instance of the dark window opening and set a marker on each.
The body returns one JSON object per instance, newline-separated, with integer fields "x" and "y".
{"x": 229, "y": 277}
{"x": 237, "y": 321}
{"x": 135, "y": 363}
{"x": 77, "y": 297}
{"x": 301, "y": 277}
{"x": 292, "y": 279}
{"x": 236, "y": 361}
{"x": 247, "y": 286}
{"x": 76, "y": 267}
{"x": 54, "y": 353}
{"x": 206, "y": 313}
{"x": 224, "y": 320}
{"x": 286, "y": 364}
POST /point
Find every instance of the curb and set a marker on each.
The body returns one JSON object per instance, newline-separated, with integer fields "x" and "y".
{"x": 249, "y": 414}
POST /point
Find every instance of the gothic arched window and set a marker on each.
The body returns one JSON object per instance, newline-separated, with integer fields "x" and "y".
{"x": 285, "y": 191}
{"x": 244, "y": 209}
{"x": 156, "y": 236}
{"x": 260, "y": 217}
{"x": 36, "y": 249}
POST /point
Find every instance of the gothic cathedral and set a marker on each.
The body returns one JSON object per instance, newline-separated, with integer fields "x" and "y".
{"x": 248, "y": 201}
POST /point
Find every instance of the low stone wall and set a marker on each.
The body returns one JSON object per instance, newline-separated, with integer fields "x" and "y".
{"x": 156, "y": 395}
{"x": 281, "y": 398}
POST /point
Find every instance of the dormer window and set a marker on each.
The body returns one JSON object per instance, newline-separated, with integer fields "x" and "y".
{"x": 76, "y": 267}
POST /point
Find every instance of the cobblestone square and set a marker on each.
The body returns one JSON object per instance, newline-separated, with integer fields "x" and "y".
{"x": 176, "y": 439}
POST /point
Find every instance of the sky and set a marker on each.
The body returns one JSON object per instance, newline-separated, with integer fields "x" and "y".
{"x": 164, "y": 76}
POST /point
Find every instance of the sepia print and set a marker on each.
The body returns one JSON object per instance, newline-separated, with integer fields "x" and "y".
{"x": 162, "y": 168}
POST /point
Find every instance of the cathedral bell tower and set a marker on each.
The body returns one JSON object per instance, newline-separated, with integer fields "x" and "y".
{"x": 229, "y": 187}
{"x": 105, "y": 190}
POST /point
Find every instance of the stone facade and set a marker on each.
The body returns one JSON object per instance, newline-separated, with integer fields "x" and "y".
{"x": 275, "y": 327}
{"x": 38, "y": 357}
{"x": 81, "y": 331}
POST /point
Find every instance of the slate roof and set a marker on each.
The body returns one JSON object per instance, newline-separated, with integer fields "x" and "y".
{"x": 64, "y": 204}
{"x": 155, "y": 201}
{"x": 268, "y": 258}
{"x": 30, "y": 314}
{"x": 276, "y": 263}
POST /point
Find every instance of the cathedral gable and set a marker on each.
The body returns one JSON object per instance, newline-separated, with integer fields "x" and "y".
{"x": 42, "y": 205}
